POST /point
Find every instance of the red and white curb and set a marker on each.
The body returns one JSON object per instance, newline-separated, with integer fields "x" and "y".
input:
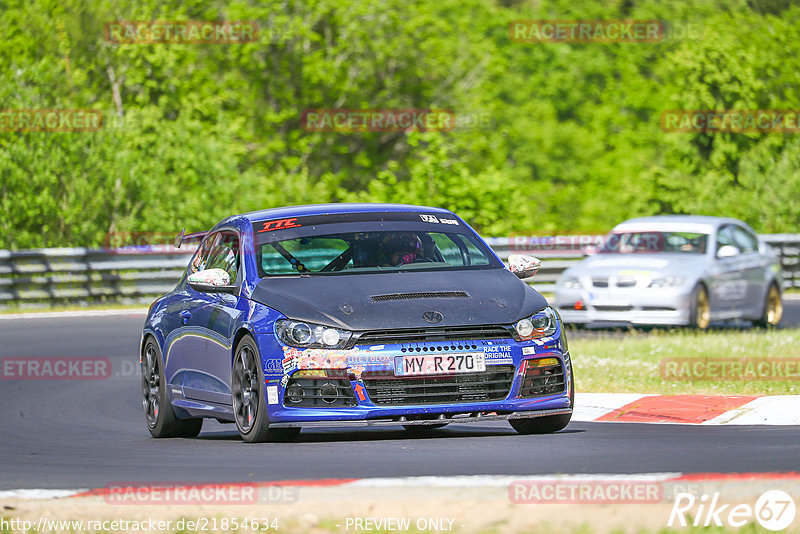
{"x": 465, "y": 482}
{"x": 688, "y": 409}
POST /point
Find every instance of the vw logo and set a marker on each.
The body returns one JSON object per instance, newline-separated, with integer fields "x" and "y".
{"x": 433, "y": 316}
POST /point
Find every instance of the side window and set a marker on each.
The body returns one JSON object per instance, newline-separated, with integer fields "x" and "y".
{"x": 219, "y": 250}
{"x": 725, "y": 237}
{"x": 743, "y": 239}
{"x": 224, "y": 254}
{"x": 200, "y": 258}
{"x": 448, "y": 249}
{"x": 459, "y": 250}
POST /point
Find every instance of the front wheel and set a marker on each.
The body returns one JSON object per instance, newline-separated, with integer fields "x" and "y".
{"x": 773, "y": 308}
{"x": 549, "y": 423}
{"x": 700, "y": 311}
{"x": 161, "y": 420}
{"x": 249, "y": 406}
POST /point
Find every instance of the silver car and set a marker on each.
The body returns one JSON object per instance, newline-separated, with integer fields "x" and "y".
{"x": 674, "y": 270}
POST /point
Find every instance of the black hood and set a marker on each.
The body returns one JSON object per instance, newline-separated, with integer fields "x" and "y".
{"x": 479, "y": 297}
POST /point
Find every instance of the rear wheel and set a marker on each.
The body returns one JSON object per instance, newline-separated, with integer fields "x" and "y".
{"x": 773, "y": 308}
{"x": 700, "y": 311}
{"x": 249, "y": 405}
{"x": 161, "y": 420}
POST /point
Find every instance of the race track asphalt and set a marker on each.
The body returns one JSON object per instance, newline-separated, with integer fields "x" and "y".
{"x": 91, "y": 433}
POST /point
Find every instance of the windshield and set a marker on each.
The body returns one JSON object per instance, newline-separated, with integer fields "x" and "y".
{"x": 655, "y": 242}
{"x": 378, "y": 251}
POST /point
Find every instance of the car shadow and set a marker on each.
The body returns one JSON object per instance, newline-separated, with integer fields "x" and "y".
{"x": 333, "y": 435}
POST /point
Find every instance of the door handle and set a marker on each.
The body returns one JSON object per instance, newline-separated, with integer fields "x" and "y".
{"x": 185, "y": 315}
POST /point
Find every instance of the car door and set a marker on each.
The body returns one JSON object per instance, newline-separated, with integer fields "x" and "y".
{"x": 203, "y": 352}
{"x": 754, "y": 272}
{"x": 728, "y": 287}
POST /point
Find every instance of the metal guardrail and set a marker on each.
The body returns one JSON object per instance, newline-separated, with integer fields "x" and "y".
{"x": 128, "y": 275}
{"x": 82, "y": 275}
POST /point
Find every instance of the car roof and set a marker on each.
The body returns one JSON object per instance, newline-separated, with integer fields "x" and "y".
{"x": 324, "y": 209}
{"x": 681, "y": 222}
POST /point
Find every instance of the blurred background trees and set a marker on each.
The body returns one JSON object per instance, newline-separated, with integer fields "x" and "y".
{"x": 569, "y": 141}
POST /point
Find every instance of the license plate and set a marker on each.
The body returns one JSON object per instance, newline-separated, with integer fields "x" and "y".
{"x": 439, "y": 364}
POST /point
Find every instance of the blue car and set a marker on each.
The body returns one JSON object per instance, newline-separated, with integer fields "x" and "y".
{"x": 352, "y": 315}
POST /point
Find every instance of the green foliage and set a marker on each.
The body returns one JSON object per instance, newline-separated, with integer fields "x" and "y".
{"x": 194, "y": 132}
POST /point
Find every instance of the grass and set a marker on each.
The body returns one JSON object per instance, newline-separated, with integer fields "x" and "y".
{"x": 631, "y": 363}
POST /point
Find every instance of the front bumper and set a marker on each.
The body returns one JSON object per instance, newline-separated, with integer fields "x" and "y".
{"x": 470, "y": 417}
{"x": 667, "y": 306}
{"x": 365, "y": 411}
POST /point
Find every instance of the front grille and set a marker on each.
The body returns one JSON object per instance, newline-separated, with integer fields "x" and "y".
{"x": 626, "y": 282}
{"x": 418, "y": 335}
{"x": 600, "y": 282}
{"x": 385, "y": 389}
{"x": 539, "y": 381}
{"x": 318, "y": 393}
{"x": 427, "y": 295}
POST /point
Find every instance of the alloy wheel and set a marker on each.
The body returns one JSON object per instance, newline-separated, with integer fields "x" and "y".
{"x": 246, "y": 389}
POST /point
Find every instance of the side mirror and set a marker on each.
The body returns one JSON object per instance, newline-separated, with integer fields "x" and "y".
{"x": 727, "y": 251}
{"x": 211, "y": 281}
{"x": 523, "y": 266}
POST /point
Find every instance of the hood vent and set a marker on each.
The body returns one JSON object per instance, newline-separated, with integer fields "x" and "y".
{"x": 425, "y": 295}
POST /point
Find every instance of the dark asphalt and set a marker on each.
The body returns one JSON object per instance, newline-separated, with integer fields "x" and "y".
{"x": 90, "y": 433}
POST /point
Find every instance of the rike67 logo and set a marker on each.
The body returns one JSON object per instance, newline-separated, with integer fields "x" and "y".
{"x": 774, "y": 510}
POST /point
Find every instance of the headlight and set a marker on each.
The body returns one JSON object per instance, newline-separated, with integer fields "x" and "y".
{"x": 542, "y": 324}
{"x": 571, "y": 283}
{"x": 309, "y": 335}
{"x": 667, "y": 281}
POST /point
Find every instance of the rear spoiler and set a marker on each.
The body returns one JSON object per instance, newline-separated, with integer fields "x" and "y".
{"x": 183, "y": 237}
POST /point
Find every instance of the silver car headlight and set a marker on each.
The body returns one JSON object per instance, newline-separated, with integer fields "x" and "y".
{"x": 310, "y": 335}
{"x": 668, "y": 281}
{"x": 539, "y": 325}
{"x": 571, "y": 282}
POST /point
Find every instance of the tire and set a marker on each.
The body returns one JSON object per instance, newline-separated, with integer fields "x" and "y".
{"x": 773, "y": 308}
{"x": 248, "y": 391}
{"x": 160, "y": 418}
{"x": 547, "y": 424}
{"x": 700, "y": 310}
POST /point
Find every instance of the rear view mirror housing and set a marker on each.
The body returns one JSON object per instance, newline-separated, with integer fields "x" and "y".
{"x": 727, "y": 251}
{"x": 211, "y": 281}
{"x": 523, "y": 266}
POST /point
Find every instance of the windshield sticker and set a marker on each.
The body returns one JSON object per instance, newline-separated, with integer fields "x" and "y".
{"x": 279, "y": 224}
{"x": 437, "y": 220}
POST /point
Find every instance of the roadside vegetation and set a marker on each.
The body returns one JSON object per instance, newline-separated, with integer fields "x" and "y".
{"x": 610, "y": 362}
{"x": 560, "y": 136}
